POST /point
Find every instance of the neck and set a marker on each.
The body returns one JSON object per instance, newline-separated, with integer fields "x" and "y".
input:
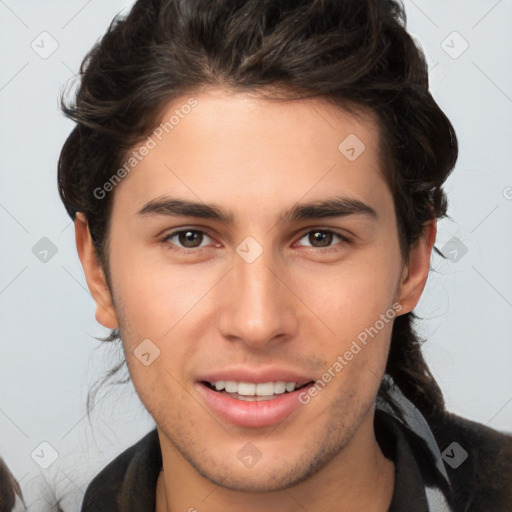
{"x": 342, "y": 485}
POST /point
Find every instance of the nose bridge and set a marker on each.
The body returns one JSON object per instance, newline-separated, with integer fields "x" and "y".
{"x": 254, "y": 278}
{"x": 256, "y": 308}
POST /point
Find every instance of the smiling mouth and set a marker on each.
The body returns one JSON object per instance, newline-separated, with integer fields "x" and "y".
{"x": 248, "y": 392}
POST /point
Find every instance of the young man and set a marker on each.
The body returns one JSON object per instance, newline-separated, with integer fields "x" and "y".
{"x": 255, "y": 188}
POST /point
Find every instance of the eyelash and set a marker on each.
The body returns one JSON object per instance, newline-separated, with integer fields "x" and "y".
{"x": 172, "y": 247}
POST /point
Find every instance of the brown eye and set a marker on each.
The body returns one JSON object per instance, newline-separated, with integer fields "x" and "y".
{"x": 320, "y": 238}
{"x": 190, "y": 239}
{"x": 186, "y": 239}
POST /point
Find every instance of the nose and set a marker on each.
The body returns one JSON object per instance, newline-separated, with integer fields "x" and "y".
{"x": 258, "y": 307}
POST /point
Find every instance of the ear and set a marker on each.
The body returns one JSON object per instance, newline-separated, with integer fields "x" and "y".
{"x": 415, "y": 272}
{"x": 94, "y": 274}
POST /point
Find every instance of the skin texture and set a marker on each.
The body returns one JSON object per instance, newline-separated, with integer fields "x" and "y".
{"x": 298, "y": 305}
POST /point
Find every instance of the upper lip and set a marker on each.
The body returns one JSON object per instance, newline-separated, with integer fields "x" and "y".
{"x": 256, "y": 376}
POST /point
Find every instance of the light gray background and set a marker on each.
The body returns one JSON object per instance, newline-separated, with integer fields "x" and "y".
{"x": 48, "y": 360}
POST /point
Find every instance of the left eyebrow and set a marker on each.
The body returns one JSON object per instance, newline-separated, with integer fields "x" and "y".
{"x": 328, "y": 208}
{"x": 321, "y": 209}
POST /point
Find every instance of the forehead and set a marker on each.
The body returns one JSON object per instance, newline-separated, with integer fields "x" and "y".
{"x": 276, "y": 126}
{"x": 241, "y": 149}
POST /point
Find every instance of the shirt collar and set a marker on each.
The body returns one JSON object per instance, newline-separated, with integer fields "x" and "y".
{"x": 416, "y": 450}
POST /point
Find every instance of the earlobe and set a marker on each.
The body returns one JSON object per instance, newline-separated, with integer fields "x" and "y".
{"x": 94, "y": 274}
{"x": 415, "y": 273}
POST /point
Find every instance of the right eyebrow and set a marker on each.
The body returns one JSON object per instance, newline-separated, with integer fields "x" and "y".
{"x": 184, "y": 208}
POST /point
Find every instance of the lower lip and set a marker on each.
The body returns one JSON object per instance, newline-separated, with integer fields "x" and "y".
{"x": 251, "y": 414}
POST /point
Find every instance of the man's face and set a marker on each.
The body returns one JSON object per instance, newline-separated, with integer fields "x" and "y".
{"x": 261, "y": 298}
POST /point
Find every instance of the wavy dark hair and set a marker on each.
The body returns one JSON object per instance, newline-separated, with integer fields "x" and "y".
{"x": 356, "y": 54}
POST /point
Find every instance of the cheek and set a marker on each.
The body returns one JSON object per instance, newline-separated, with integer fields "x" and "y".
{"x": 353, "y": 296}
{"x": 153, "y": 295}
{"x": 161, "y": 303}
{"x": 357, "y": 303}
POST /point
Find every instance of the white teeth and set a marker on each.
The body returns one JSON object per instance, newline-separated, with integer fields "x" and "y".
{"x": 265, "y": 389}
{"x": 219, "y": 385}
{"x": 290, "y": 386}
{"x": 231, "y": 386}
{"x": 246, "y": 388}
{"x": 251, "y": 389}
{"x": 279, "y": 387}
